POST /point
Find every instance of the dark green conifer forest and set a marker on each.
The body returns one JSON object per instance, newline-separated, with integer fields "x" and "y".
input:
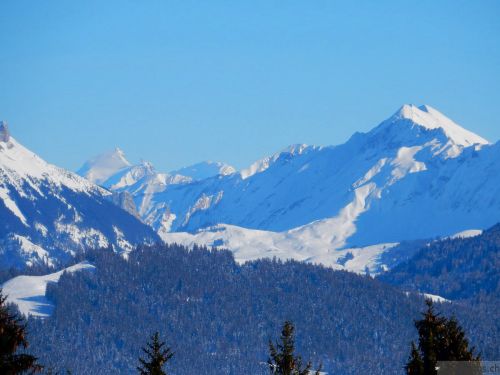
{"x": 219, "y": 316}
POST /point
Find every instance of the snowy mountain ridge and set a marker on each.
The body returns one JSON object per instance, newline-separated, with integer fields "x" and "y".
{"x": 431, "y": 118}
{"x": 402, "y": 180}
{"x": 264, "y": 163}
{"x": 49, "y": 213}
{"x": 423, "y": 121}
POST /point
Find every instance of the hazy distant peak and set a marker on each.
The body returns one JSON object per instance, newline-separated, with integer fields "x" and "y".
{"x": 103, "y": 166}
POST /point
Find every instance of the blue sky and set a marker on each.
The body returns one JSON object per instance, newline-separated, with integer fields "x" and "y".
{"x": 176, "y": 82}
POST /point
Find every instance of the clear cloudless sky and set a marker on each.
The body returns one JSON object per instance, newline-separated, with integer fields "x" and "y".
{"x": 176, "y": 82}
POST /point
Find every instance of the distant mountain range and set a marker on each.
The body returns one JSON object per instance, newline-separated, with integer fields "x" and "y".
{"x": 416, "y": 175}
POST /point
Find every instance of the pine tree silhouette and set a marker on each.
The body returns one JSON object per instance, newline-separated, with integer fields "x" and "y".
{"x": 13, "y": 338}
{"x": 156, "y": 357}
{"x": 440, "y": 339}
{"x": 282, "y": 360}
{"x": 415, "y": 365}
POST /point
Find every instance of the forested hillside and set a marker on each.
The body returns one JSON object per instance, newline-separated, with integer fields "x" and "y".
{"x": 460, "y": 268}
{"x": 218, "y": 316}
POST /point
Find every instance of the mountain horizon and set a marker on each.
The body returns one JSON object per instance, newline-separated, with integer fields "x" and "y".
{"x": 306, "y": 201}
{"x": 424, "y": 115}
{"x": 314, "y": 203}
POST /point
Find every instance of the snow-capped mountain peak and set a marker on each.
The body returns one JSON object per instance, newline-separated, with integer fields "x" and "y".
{"x": 431, "y": 119}
{"x": 103, "y": 166}
{"x": 22, "y": 168}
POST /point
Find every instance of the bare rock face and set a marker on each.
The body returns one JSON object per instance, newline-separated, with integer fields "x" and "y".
{"x": 4, "y": 132}
{"x": 125, "y": 200}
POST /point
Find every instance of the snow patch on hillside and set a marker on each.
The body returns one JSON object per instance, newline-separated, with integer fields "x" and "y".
{"x": 126, "y": 246}
{"x": 467, "y": 234}
{"x": 32, "y": 251}
{"x": 28, "y": 292}
{"x": 435, "y": 298}
{"x": 405, "y": 163}
{"x": 11, "y": 205}
{"x": 87, "y": 236}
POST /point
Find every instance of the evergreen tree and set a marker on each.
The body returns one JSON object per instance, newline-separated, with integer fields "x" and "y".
{"x": 282, "y": 360}
{"x": 456, "y": 345}
{"x": 440, "y": 339}
{"x": 13, "y": 338}
{"x": 415, "y": 364}
{"x": 157, "y": 357}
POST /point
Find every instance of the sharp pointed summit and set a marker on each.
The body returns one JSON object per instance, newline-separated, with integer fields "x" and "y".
{"x": 430, "y": 118}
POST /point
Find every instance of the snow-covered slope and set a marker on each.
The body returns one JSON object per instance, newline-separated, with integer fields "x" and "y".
{"x": 28, "y": 292}
{"x": 251, "y": 244}
{"x": 416, "y": 175}
{"x": 402, "y": 180}
{"x": 431, "y": 119}
{"x": 144, "y": 182}
{"x": 48, "y": 213}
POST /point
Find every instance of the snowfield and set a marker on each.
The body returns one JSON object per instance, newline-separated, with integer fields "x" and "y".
{"x": 28, "y": 292}
{"x": 249, "y": 244}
